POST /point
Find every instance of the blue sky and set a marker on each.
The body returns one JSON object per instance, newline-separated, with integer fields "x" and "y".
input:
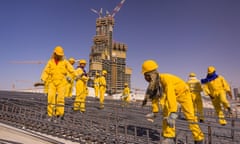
{"x": 181, "y": 35}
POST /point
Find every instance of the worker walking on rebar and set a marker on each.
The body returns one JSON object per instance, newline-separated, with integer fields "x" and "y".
{"x": 96, "y": 85}
{"x": 55, "y": 74}
{"x": 171, "y": 90}
{"x": 70, "y": 80}
{"x": 217, "y": 87}
{"x": 196, "y": 89}
{"x": 102, "y": 88}
{"x": 81, "y": 87}
{"x": 125, "y": 95}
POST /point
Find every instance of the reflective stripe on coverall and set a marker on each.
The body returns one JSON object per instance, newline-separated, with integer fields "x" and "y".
{"x": 217, "y": 88}
{"x": 81, "y": 91}
{"x": 56, "y": 85}
{"x": 175, "y": 90}
{"x": 102, "y": 89}
{"x": 96, "y": 86}
{"x": 196, "y": 89}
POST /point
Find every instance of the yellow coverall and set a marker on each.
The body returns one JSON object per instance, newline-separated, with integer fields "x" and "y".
{"x": 126, "y": 96}
{"x": 175, "y": 90}
{"x": 96, "y": 86}
{"x": 81, "y": 90}
{"x": 217, "y": 89}
{"x": 196, "y": 89}
{"x": 54, "y": 74}
{"x": 102, "y": 89}
{"x": 69, "y": 85}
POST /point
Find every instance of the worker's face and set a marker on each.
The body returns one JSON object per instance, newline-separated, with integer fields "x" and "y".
{"x": 82, "y": 65}
{"x": 57, "y": 57}
{"x": 72, "y": 63}
{"x": 147, "y": 77}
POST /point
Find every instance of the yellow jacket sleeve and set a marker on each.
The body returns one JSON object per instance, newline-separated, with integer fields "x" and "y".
{"x": 226, "y": 86}
{"x": 45, "y": 73}
{"x": 206, "y": 90}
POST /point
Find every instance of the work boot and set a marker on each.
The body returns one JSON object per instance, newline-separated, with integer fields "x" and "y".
{"x": 198, "y": 142}
{"x": 168, "y": 141}
{"x": 101, "y": 106}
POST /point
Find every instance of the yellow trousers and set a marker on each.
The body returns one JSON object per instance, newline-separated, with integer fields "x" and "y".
{"x": 220, "y": 98}
{"x": 96, "y": 90}
{"x": 197, "y": 104}
{"x": 125, "y": 101}
{"x": 81, "y": 94}
{"x": 56, "y": 91}
{"x": 186, "y": 103}
{"x": 102, "y": 92}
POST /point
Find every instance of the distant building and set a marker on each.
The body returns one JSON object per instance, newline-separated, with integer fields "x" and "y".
{"x": 236, "y": 93}
{"x": 109, "y": 55}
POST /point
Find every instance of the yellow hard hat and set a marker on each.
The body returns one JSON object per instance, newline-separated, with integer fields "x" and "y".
{"x": 82, "y": 61}
{"x": 104, "y": 72}
{"x": 192, "y": 74}
{"x": 125, "y": 84}
{"x": 211, "y": 69}
{"x": 71, "y": 59}
{"x": 97, "y": 74}
{"x": 149, "y": 65}
{"x": 59, "y": 51}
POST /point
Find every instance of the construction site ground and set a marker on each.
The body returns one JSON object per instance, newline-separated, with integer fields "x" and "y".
{"x": 23, "y": 120}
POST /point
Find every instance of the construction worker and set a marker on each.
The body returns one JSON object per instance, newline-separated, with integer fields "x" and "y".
{"x": 102, "y": 88}
{"x": 96, "y": 85}
{"x": 171, "y": 90}
{"x": 196, "y": 89}
{"x": 55, "y": 74}
{"x": 217, "y": 87}
{"x": 81, "y": 87}
{"x": 70, "y": 80}
{"x": 125, "y": 95}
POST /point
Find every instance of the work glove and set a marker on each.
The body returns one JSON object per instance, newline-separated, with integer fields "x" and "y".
{"x": 144, "y": 102}
{"x": 171, "y": 119}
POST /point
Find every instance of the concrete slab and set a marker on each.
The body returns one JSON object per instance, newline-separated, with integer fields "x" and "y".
{"x": 12, "y": 135}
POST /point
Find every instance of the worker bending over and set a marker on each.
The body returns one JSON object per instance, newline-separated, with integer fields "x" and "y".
{"x": 171, "y": 90}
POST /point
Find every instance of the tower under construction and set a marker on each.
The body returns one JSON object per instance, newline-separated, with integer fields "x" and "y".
{"x": 109, "y": 55}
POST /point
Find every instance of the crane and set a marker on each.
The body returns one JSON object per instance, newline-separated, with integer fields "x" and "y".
{"x": 98, "y": 13}
{"x": 33, "y": 62}
{"x": 117, "y": 8}
{"x": 28, "y": 62}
